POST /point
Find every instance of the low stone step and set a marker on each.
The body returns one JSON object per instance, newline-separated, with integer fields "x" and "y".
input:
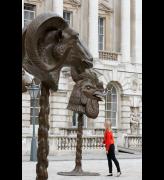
{"x": 128, "y": 150}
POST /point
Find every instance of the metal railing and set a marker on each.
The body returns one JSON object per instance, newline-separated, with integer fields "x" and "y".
{"x": 106, "y": 55}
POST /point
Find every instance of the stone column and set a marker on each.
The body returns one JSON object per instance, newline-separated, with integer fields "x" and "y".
{"x": 138, "y": 34}
{"x": 132, "y": 30}
{"x": 125, "y": 30}
{"x": 84, "y": 25}
{"x": 111, "y": 25}
{"x": 93, "y": 28}
{"x": 112, "y": 28}
{"x": 58, "y": 7}
{"x": 22, "y": 13}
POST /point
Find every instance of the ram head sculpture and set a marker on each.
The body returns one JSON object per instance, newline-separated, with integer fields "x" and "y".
{"x": 48, "y": 44}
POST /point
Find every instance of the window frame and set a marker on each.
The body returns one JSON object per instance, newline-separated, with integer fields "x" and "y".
{"x": 71, "y": 17}
{"x": 103, "y": 35}
{"x": 117, "y": 106}
{"x": 85, "y": 125}
{"x": 36, "y": 107}
{"x": 33, "y": 10}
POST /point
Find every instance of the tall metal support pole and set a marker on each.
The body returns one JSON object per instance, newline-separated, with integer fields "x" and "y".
{"x": 77, "y": 171}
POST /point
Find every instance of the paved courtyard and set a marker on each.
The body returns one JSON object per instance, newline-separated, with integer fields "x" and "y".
{"x": 131, "y": 169}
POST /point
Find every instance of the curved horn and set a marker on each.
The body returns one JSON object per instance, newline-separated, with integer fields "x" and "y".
{"x": 36, "y": 30}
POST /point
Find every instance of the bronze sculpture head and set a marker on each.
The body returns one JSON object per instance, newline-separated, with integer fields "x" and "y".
{"x": 86, "y": 94}
{"x": 48, "y": 44}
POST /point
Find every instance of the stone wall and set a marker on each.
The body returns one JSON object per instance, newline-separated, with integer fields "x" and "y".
{"x": 25, "y": 113}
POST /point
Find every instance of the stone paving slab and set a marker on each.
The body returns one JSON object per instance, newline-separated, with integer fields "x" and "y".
{"x": 63, "y": 156}
{"x": 131, "y": 170}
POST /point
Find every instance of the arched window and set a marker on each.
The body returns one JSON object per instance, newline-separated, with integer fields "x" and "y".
{"x": 111, "y": 105}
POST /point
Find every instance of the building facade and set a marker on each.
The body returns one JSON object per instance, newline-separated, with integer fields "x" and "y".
{"x": 112, "y": 30}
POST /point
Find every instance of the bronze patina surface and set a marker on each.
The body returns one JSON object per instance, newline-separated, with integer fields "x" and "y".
{"x": 48, "y": 44}
{"x": 86, "y": 94}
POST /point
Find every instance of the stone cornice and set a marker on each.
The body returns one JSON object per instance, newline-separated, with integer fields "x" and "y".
{"x": 105, "y": 7}
{"x": 33, "y": 1}
{"x": 74, "y": 3}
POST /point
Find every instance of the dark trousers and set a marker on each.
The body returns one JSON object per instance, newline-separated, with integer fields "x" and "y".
{"x": 111, "y": 156}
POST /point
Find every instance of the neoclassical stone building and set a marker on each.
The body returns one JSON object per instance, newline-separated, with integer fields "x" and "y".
{"x": 112, "y": 30}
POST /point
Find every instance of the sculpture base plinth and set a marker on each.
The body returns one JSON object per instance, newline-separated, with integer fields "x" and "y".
{"x": 78, "y": 172}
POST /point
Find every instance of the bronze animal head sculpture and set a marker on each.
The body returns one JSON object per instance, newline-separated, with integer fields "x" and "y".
{"x": 48, "y": 44}
{"x": 86, "y": 94}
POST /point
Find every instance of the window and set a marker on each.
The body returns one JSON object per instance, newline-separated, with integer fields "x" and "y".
{"x": 34, "y": 106}
{"x": 111, "y": 105}
{"x": 67, "y": 15}
{"x": 29, "y": 13}
{"x": 75, "y": 120}
{"x": 101, "y": 33}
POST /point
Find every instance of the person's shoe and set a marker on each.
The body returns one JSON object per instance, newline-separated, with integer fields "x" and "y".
{"x": 118, "y": 174}
{"x": 110, "y": 174}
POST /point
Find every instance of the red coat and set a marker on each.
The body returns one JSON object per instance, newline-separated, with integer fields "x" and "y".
{"x": 108, "y": 139}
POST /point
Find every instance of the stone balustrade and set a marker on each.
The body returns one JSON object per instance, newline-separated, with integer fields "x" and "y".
{"x": 69, "y": 142}
{"x": 133, "y": 142}
{"x": 106, "y": 55}
{"x": 66, "y": 142}
{"x": 60, "y": 143}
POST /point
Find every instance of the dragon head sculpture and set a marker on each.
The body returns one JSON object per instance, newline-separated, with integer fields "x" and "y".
{"x": 86, "y": 94}
{"x": 48, "y": 44}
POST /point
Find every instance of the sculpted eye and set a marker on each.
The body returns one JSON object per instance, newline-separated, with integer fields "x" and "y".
{"x": 88, "y": 87}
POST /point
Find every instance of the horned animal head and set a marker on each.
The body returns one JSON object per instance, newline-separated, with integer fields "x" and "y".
{"x": 48, "y": 44}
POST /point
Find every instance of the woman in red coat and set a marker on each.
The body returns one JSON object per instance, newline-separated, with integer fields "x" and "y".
{"x": 110, "y": 149}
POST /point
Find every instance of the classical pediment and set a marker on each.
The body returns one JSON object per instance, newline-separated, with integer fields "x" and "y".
{"x": 104, "y": 7}
{"x": 73, "y": 2}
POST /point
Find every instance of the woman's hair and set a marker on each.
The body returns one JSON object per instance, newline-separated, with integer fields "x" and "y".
{"x": 108, "y": 124}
